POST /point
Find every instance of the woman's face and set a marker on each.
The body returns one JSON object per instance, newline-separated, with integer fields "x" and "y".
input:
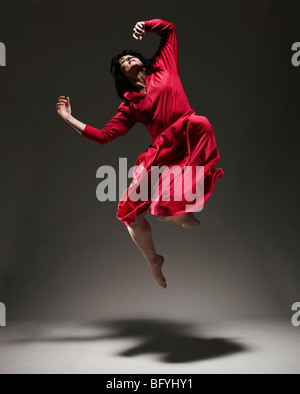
{"x": 130, "y": 64}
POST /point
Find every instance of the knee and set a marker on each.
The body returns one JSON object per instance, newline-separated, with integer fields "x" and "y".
{"x": 206, "y": 125}
{"x": 133, "y": 225}
{"x": 139, "y": 223}
{"x": 200, "y": 124}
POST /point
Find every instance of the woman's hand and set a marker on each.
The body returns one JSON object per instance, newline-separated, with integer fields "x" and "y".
{"x": 139, "y": 31}
{"x": 63, "y": 107}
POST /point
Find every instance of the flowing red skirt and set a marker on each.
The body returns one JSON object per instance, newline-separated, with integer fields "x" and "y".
{"x": 188, "y": 143}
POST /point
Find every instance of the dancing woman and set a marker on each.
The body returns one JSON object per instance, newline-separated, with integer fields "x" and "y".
{"x": 153, "y": 95}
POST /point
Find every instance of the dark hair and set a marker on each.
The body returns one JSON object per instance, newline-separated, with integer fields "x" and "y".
{"x": 123, "y": 85}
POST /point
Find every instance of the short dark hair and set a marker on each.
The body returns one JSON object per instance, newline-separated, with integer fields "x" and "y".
{"x": 123, "y": 85}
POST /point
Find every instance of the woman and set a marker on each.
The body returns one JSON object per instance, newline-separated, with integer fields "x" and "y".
{"x": 152, "y": 94}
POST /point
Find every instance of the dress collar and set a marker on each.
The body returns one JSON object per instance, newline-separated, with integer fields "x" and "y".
{"x": 135, "y": 96}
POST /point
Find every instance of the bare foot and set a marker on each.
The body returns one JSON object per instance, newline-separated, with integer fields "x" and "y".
{"x": 193, "y": 222}
{"x": 155, "y": 266}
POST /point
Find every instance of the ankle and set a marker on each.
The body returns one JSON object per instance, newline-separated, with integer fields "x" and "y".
{"x": 154, "y": 259}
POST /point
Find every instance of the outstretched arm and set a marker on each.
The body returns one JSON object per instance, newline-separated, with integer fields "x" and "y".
{"x": 119, "y": 125}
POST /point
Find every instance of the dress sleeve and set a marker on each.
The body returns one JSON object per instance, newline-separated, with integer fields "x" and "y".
{"x": 118, "y": 126}
{"x": 166, "y": 56}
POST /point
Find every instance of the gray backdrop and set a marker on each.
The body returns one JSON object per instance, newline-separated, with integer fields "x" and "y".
{"x": 64, "y": 254}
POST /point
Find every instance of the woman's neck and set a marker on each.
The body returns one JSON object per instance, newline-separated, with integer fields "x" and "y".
{"x": 140, "y": 81}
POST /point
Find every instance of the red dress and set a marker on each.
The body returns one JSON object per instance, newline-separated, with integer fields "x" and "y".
{"x": 179, "y": 136}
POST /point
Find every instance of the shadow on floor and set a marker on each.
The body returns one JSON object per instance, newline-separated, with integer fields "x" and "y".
{"x": 171, "y": 340}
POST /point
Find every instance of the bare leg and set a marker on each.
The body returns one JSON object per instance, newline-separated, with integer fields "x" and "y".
{"x": 141, "y": 234}
{"x": 187, "y": 220}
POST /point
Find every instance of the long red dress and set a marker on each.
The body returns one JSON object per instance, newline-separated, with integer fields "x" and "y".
{"x": 179, "y": 137}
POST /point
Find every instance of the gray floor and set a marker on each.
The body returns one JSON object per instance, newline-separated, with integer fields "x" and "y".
{"x": 137, "y": 345}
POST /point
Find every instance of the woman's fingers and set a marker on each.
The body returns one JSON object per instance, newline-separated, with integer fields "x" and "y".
{"x": 63, "y": 102}
{"x": 137, "y": 36}
{"x": 64, "y": 99}
{"x": 139, "y": 31}
{"x": 63, "y": 107}
{"x": 141, "y": 25}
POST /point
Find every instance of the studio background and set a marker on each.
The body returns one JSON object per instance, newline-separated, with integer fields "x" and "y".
{"x": 64, "y": 254}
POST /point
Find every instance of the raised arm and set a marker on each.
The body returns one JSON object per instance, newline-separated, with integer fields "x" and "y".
{"x": 166, "y": 56}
